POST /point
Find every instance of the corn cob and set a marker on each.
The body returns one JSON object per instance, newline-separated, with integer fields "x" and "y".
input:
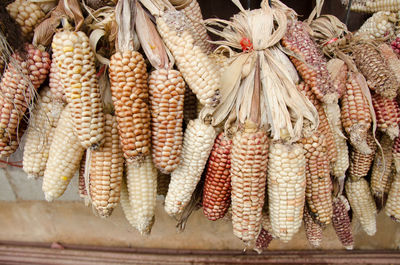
{"x": 142, "y": 188}
{"x": 76, "y": 67}
{"x": 82, "y": 184}
{"x": 197, "y": 144}
{"x": 106, "y": 170}
{"x": 392, "y": 208}
{"x": 371, "y": 64}
{"x": 341, "y": 221}
{"x": 162, "y": 183}
{"x": 126, "y": 205}
{"x": 387, "y": 115}
{"x": 286, "y": 189}
{"x": 362, "y": 204}
{"x": 355, "y": 115}
{"x": 197, "y": 69}
{"x": 27, "y": 14}
{"x": 380, "y": 25}
{"x": 391, "y": 59}
{"x": 18, "y": 85}
{"x": 338, "y": 70}
{"x": 372, "y": 6}
{"x": 190, "y": 106}
{"x": 40, "y": 133}
{"x": 217, "y": 186}
{"x": 167, "y": 90}
{"x": 312, "y": 65}
{"x": 318, "y": 180}
{"x": 323, "y": 127}
{"x": 55, "y": 83}
{"x": 263, "y": 240}
{"x": 396, "y": 154}
{"x": 64, "y": 157}
{"x": 360, "y": 164}
{"x": 129, "y": 89}
{"x": 396, "y": 45}
{"x": 313, "y": 229}
{"x": 381, "y": 171}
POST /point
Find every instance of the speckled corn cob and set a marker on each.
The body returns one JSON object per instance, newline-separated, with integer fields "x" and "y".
{"x": 355, "y": 115}
{"x": 263, "y": 240}
{"x": 341, "y": 221}
{"x": 380, "y": 25}
{"x": 167, "y": 89}
{"x": 313, "y": 230}
{"x": 197, "y": 69}
{"x": 17, "y": 87}
{"x": 27, "y": 14}
{"x": 314, "y": 70}
{"x": 55, "y": 83}
{"x": 197, "y": 144}
{"x": 76, "y": 67}
{"x": 318, "y": 180}
{"x": 381, "y": 170}
{"x": 391, "y": 59}
{"x": 39, "y": 135}
{"x": 142, "y": 188}
{"x": 362, "y": 204}
{"x": 372, "y": 65}
{"x": 106, "y": 170}
{"x": 387, "y": 113}
{"x": 163, "y": 183}
{"x": 217, "y": 185}
{"x": 360, "y": 163}
{"x": 249, "y": 157}
{"x": 338, "y": 71}
{"x": 396, "y": 154}
{"x": 286, "y": 189}
{"x": 392, "y": 207}
{"x": 82, "y": 184}
{"x": 64, "y": 157}
{"x": 130, "y": 93}
{"x": 373, "y": 6}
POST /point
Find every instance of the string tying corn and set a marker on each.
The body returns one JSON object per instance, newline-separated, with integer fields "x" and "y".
{"x": 341, "y": 221}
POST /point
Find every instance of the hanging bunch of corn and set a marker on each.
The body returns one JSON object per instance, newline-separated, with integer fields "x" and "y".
{"x": 361, "y": 163}
{"x": 338, "y": 70}
{"x": 42, "y": 124}
{"x": 341, "y": 221}
{"x": 372, "y": 6}
{"x": 380, "y": 25}
{"x": 387, "y": 113}
{"x": 392, "y": 208}
{"x": 313, "y": 230}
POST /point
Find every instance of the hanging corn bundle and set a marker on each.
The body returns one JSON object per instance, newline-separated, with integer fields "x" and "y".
{"x": 341, "y": 221}
{"x": 379, "y": 26}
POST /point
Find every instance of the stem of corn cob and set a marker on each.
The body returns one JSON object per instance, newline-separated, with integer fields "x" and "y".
{"x": 341, "y": 221}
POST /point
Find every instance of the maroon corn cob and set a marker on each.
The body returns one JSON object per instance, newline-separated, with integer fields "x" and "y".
{"x": 387, "y": 115}
{"x": 341, "y": 221}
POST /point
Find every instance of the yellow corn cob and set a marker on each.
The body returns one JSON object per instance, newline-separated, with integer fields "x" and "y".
{"x": 190, "y": 106}
{"x": 360, "y": 164}
{"x": 341, "y": 221}
{"x": 197, "y": 144}
{"x": 380, "y": 25}
{"x": 142, "y": 188}
{"x": 362, "y": 204}
{"x": 318, "y": 181}
{"x": 64, "y": 157}
{"x": 167, "y": 90}
{"x": 106, "y": 170}
{"x": 249, "y": 160}
{"x": 27, "y": 14}
{"x": 163, "y": 183}
{"x": 39, "y": 135}
{"x": 381, "y": 171}
{"x": 313, "y": 230}
{"x": 130, "y": 93}
{"x": 391, "y": 59}
{"x": 372, "y": 6}
{"x": 76, "y": 67}
{"x": 286, "y": 189}
{"x": 197, "y": 69}
{"x": 355, "y": 115}
{"x": 18, "y": 84}
{"x": 392, "y": 207}
{"x": 55, "y": 83}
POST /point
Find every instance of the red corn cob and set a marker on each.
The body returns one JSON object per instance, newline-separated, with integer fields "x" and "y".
{"x": 387, "y": 115}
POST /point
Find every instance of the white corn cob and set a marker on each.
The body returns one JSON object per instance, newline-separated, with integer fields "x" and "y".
{"x": 392, "y": 208}
{"x": 197, "y": 144}
{"x": 55, "y": 83}
{"x": 126, "y": 205}
{"x": 380, "y": 25}
{"x": 372, "y": 6}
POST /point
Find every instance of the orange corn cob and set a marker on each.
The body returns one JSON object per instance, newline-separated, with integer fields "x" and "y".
{"x": 341, "y": 221}
{"x": 387, "y": 115}
{"x": 217, "y": 186}
{"x": 313, "y": 230}
{"x": 360, "y": 164}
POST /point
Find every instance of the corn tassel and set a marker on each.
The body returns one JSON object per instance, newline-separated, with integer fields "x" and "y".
{"x": 341, "y": 222}
{"x": 360, "y": 164}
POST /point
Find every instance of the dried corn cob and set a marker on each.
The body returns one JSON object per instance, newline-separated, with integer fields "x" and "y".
{"x": 195, "y": 66}
{"x": 309, "y": 62}
{"x": 190, "y": 106}
{"x": 286, "y": 189}
{"x": 130, "y": 93}
{"x": 197, "y": 144}
{"x": 64, "y": 157}
{"x": 106, "y": 170}
{"x": 391, "y": 59}
{"x": 27, "y": 14}
{"x": 372, "y": 6}
{"x": 392, "y": 208}
{"x": 313, "y": 230}
{"x": 167, "y": 90}
{"x": 126, "y": 205}
{"x": 360, "y": 164}
{"x": 387, "y": 115}
{"x": 371, "y": 64}
{"x": 380, "y": 25}
{"x": 162, "y": 183}
{"x": 381, "y": 171}
{"x": 76, "y": 67}
{"x": 263, "y": 240}
{"x": 217, "y": 186}
{"x": 249, "y": 159}
{"x": 396, "y": 44}
{"x": 396, "y": 153}
{"x": 17, "y": 87}
{"x": 338, "y": 70}
{"x": 355, "y": 115}
{"x": 362, "y": 204}
{"x": 55, "y": 83}
{"x": 142, "y": 188}
{"x": 40, "y": 133}
{"x": 341, "y": 221}
{"x": 318, "y": 180}
{"x": 82, "y": 184}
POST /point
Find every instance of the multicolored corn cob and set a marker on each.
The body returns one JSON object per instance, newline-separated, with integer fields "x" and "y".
{"x": 360, "y": 163}
{"x": 313, "y": 229}
{"x": 378, "y": 26}
{"x": 387, "y": 113}
{"x": 341, "y": 221}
